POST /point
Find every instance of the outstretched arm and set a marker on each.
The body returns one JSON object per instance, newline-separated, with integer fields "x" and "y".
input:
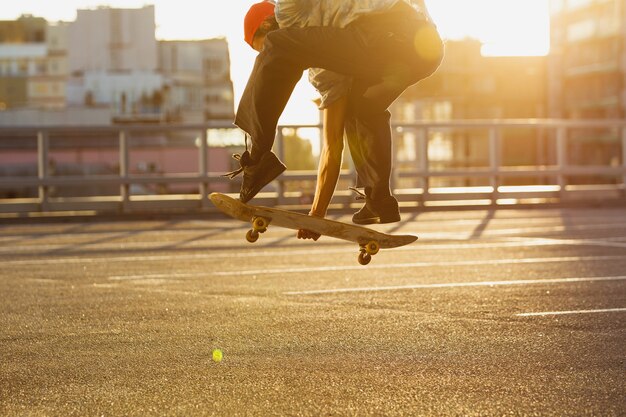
{"x": 331, "y": 156}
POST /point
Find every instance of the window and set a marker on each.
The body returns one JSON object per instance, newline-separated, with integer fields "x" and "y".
{"x": 213, "y": 65}
{"x": 485, "y": 85}
{"x": 22, "y": 67}
{"x": 581, "y": 30}
{"x": 41, "y": 68}
{"x": 440, "y": 148}
{"x": 577, "y": 4}
{"x": 556, "y": 6}
{"x": 40, "y": 89}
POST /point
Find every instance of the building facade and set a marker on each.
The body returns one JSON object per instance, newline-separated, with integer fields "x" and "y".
{"x": 588, "y": 59}
{"x": 199, "y": 85}
{"x": 588, "y": 74}
{"x": 112, "y": 58}
{"x": 109, "y": 60}
{"x": 107, "y": 39}
{"x": 26, "y": 29}
{"x": 469, "y": 85}
{"x": 33, "y": 64}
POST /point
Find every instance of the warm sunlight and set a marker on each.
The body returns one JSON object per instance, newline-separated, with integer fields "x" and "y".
{"x": 506, "y": 27}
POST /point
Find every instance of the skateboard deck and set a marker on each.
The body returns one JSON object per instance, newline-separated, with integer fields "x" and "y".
{"x": 370, "y": 241}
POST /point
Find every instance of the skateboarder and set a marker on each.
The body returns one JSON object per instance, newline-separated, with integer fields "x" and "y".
{"x": 362, "y": 54}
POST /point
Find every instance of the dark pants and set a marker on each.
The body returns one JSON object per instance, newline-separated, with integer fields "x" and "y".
{"x": 384, "y": 54}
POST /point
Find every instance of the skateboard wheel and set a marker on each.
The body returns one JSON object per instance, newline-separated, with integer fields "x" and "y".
{"x": 260, "y": 224}
{"x": 364, "y": 258}
{"x": 372, "y": 248}
{"x": 252, "y": 236}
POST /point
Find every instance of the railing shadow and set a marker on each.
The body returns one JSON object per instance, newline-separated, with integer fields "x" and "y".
{"x": 480, "y": 229}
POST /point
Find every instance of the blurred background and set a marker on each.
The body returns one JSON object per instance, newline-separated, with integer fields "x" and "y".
{"x": 93, "y": 90}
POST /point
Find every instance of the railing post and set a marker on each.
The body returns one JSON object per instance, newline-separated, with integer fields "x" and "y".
{"x": 424, "y": 165}
{"x": 42, "y": 168}
{"x": 555, "y": 170}
{"x": 204, "y": 165}
{"x": 393, "y": 177}
{"x": 124, "y": 164}
{"x": 624, "y": 159}
{"x": 561, "y": 159}
{"x": 280, "y": 151}
{"x": 495, "y": 161}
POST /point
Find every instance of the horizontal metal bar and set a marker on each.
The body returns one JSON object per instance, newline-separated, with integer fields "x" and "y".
{"x": 192, "y": 201}
{"x": 517, "y": 172}
{"x": 8, "y": 182}
{"x": 422, "y": 170}
{"x": 450, "y": 124}
{"x": 113, "y": 180}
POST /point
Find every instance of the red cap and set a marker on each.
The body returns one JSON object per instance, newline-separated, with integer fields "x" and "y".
{"x": 255, "y": 16}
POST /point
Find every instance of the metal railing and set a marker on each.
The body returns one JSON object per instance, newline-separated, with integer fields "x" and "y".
{"x": 550, "y": 180}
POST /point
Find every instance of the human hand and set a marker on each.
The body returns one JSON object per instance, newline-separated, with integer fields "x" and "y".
{"x": 307, "y": 234}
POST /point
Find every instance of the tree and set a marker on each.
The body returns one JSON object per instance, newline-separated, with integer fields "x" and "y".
{"x": 298, "y": 152}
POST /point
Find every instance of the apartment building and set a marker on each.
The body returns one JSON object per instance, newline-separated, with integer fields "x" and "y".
{"x": 109, "y": 61}
{"x": 588, "y": 60}
{"x": 469, "y": 85}
{"x": 33, "y": 64}
{"x": 587, "y": 73}
{"x": 26, "y": 29}
{"x": 199, "y": 84}
{"x": 111, "y": 39}
{"x": 113, "y": 57}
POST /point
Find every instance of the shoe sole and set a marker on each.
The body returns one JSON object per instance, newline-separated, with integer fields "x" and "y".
{"x": 375, "y": 220}
{"x": 269, "y": 177}
{"x": 363, "y": 222}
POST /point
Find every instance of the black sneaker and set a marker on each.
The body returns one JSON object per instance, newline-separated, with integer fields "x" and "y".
{"x": 258, "y": 175}
{"x": 378, "y": 211}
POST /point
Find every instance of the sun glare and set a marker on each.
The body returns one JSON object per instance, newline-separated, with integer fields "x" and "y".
{"x": 506, "y": 27}
{"x": 511, "y": 27}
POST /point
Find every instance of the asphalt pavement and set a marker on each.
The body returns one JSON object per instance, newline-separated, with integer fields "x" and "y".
{"x": 489, "y": 313}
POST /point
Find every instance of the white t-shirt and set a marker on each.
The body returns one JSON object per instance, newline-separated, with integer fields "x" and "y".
{"x": 334, "y": 13}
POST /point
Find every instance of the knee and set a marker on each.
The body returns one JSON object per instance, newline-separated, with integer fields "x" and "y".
{"x": 278, "y": 51}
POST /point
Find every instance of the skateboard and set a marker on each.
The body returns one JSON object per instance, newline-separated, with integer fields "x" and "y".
{"x": 369, "y": 241}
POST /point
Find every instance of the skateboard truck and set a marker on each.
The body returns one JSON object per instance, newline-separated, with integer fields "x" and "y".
{"x": 367, "y": 251}
{"x": 259, "y": 225}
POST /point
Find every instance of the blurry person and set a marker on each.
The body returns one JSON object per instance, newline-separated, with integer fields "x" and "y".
{"x": 361, "y": 55}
